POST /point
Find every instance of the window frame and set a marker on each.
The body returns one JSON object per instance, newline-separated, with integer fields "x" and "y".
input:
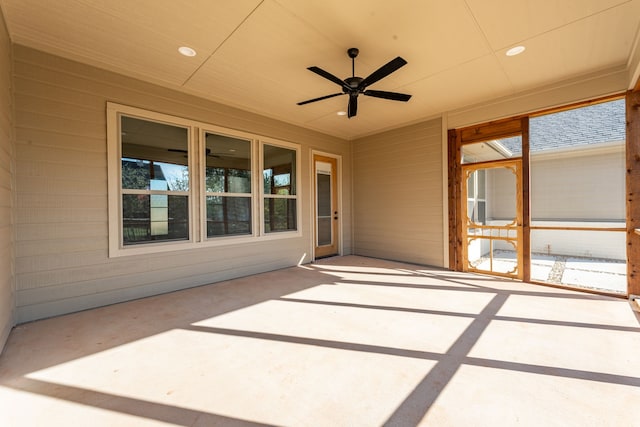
{"x": 196, "y": 131}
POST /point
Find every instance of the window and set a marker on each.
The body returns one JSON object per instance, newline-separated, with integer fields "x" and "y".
{"x": 280, "y": 199}
{"x": 227, "y": 185}
{"x": 155, "y": 181}
{"x": 176, "y": 184}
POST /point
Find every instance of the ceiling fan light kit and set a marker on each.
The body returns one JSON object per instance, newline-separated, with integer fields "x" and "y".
{"x": 354, "y": 86}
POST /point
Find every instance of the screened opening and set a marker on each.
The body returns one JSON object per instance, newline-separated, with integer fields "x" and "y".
{"x": 578, "y": 197}
{"x": 495, "y": 149}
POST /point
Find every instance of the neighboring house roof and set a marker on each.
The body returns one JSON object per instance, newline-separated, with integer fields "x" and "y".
{"x": 595, "y": 124}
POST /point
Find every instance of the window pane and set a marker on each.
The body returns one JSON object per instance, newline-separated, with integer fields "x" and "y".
{"x": 279, "y": 215}
{"x": 324, "y": 231}
{"x": 153, "y": 218}
{"x": 228, "y": 216}
{"x": 228, "y": 163}
{"x": 324, "y": 194}
{"x": 154, "y": 151}
{"x": 279, "y": 170}
{"x": 496, "y": 149}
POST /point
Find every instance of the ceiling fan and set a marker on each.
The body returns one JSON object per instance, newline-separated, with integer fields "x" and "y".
{"x": 354, "y": 86}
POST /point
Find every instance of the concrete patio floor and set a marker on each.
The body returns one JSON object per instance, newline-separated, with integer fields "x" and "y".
{"x": 348, "y": 341}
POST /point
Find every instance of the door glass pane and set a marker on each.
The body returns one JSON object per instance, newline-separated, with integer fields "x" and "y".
{"x": 324, "y": 231}
{"x": 324, "y": 208}
{"x": 324, "y": 195}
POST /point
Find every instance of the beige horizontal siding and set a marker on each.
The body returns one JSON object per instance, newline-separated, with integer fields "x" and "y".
{"x": 7, "y": 167}
{"x": 398, "y": 194}
{"x": 62, "y": 262}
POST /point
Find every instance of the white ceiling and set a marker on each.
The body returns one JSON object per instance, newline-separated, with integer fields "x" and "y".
{"x": 253, "y": 54}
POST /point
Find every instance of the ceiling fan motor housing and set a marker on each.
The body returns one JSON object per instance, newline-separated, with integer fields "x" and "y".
{"x": 353, "y": 82}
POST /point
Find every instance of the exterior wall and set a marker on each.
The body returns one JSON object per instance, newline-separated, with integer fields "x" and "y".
{"x": 397, "y": 193}
{"x": 501, "y": 194}
{"x": 576, "y": 186}
{"x": 62, "y": 262}
{"x": 583, "y": 186}
{"x": 7, "y": 159}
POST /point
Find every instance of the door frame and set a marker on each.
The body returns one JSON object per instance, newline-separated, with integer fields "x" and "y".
{"x": 338, "y": 187}
{"x": 514, "y": 126}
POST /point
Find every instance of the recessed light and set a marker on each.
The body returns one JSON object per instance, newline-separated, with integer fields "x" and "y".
{"x": 342, "y": 113}
{"x": 515, "y": 51}
{"x": 186, "y": 51}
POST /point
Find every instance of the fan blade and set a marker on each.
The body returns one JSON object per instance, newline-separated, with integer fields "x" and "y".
{"x": 394, "y": 96}
{"x": 327, "y": 75}
{"x": 321, "y": 98}
{"x": 352, "y": 110}
{"x": 382, "y": 72}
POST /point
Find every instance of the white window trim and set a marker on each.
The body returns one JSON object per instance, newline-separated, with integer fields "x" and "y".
{"x": 196, "y": 193}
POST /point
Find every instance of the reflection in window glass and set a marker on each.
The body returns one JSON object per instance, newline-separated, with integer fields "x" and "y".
{"x": 279, "y": 170}
{"x": 155, "y": 178}
{"x": 153, "y": 218}
{"x": 228, "y": 216}
{"x": 279, "y": 180}
{"x": 279, "y": 215}
{"x": 227, "y": 178}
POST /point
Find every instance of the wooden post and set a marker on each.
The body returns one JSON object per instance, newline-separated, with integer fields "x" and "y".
{"x": 453, "y": 153}
{"x": 633, "y": 192}
{"x": 526, "y": 203}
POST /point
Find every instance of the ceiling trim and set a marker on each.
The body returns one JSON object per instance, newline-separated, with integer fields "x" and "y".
{"x": 596, "y": 85}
